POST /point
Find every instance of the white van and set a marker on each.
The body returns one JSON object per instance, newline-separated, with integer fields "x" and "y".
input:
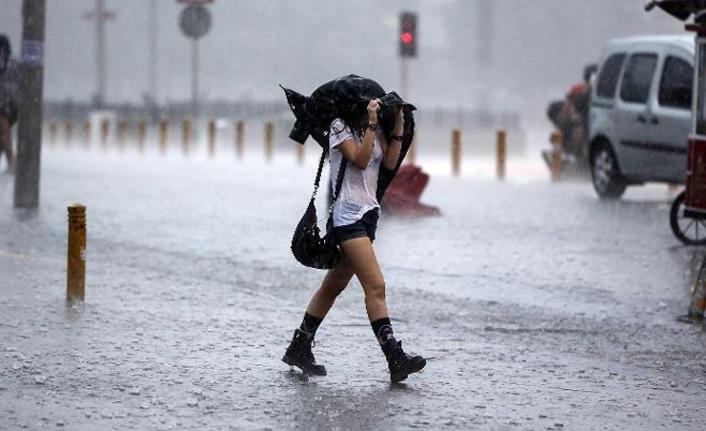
{"x": 640, "y": 115}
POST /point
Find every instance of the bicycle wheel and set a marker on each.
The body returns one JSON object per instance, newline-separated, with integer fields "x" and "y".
{"x": 690, "y": 231}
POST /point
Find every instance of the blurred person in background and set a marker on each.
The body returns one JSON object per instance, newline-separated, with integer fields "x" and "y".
{"x": 9, "y": 99}
{"x": 570, "y": 116}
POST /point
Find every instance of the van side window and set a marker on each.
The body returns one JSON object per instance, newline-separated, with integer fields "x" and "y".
{"x": 638, "y": 78}
{"x": 608, "y": 77}
{"x": 675, "y": 85}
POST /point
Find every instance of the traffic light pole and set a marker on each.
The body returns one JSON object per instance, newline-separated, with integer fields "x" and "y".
{"x": 404, "y": 77}
{"x": 194, "y": 77}
{"x": 29, "y": 128}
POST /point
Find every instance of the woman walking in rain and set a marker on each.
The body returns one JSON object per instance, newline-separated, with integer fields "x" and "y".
{"x": 360, "y": 140}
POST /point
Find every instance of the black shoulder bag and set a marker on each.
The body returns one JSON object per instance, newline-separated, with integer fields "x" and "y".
{"x": 308, "y": 247}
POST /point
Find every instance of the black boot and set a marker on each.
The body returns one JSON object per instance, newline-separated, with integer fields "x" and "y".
{"x": 299, "y": 354}
{"x": 401, "y": 364}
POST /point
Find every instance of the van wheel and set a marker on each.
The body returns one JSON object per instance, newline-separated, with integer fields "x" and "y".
{"x": 605, "y": 174}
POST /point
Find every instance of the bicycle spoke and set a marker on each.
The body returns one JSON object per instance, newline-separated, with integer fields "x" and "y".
{"x": 686, "y": 229}
{"x": 697, "y": 230}
{"x": 703, "y": 225}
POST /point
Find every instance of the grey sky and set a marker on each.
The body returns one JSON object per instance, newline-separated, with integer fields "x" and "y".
{"x": 538, "y": 47}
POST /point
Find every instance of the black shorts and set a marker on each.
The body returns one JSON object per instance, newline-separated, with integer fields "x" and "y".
{"x": 366, "y": 226}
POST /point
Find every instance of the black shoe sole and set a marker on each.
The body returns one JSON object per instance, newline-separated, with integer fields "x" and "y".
{"x": 306, "y": 370}
{"x": 401, "y": 375}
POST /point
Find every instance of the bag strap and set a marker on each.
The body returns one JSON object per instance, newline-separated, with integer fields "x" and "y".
{"x": 339, "y": 183}
{"x": 339, "y": 179}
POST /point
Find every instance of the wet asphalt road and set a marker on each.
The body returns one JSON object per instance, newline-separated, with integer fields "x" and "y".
{"x": 539, "y": 306}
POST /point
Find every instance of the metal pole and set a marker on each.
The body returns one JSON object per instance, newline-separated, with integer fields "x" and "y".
{"x": 29, "y": 129}
{"x": 100, "y": 53}
{"x": 100, "y": 14}
{"x": 194, "y": 77}
{"x": 404, "y": 77}
{"x": 153, "y": 50}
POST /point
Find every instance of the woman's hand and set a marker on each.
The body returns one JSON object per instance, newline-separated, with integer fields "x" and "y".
{"x": 373, "y": 109}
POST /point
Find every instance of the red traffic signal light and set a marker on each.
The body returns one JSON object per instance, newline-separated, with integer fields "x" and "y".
{"x": 408, "y": 34}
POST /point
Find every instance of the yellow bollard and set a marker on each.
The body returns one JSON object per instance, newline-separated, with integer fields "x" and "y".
{"x": 557, "y": 155}
{"x": 211, "y": 137}
{"x": 76, "y": 260}
{"x": 239, "y": 137}
{"x": 52, "y": 131}
{"x": 300, "y": 154}
{"x": 122, "y": 129}
{"x": 163, "y": 130}
{"x": 501, "y": 154}
{"x": 68, "y": 130}
{"x": 185, "y": 134}
{"x": 269, "y": 134}
{"x": 456, "y": 152}
{"x": 141, "y": 134}
{"x": 105, "y": 127}
{"x": 87, "y": 131}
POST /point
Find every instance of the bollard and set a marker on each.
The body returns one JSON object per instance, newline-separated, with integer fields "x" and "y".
{"x": 239, "y": 137}
{"x": 456, "y": 152}
{"x": 105, "y": 127}
{"x": 68, "y": 130}
{"x": 501, "y": 154}
{"x": 141, "y": 134}
{"x": 557, "y": 155}
{"x": 185, "y": 134}
{"x": 52, "y": 131}
{"x": 300, "y": 154}
{"x": 163, "y": 129}
{"x": 87, "y": 131}
{"x": 269, "y": 134}
{"x": 76, "y": 260}
{"x": 211, "y": 137}
{"x": 122, "y": 128}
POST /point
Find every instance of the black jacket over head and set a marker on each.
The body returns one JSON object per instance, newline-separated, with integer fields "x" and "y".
{"x": 341, "y": 98}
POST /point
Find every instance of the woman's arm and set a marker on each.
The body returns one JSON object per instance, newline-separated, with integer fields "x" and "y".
{"x": 394, "y": 147}
{"x": 360, "y": 155}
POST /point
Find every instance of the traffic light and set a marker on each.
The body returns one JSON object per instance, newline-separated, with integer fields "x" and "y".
{"x": 408, "y": 34}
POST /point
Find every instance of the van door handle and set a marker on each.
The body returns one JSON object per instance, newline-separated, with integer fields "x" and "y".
{"x": 641, "y": 119}
{"x": 654, "y": 121}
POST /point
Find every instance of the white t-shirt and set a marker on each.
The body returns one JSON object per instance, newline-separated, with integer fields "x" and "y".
{"x": 359, "y": 186}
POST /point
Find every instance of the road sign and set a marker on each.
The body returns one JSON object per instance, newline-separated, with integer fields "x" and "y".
{"x": 195, "y": 21}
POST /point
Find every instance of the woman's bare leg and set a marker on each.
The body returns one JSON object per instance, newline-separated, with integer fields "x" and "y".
{"x": 299, "y": 352}
{"x": 361, "y": 258}
{"x": 335, "y": 282}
